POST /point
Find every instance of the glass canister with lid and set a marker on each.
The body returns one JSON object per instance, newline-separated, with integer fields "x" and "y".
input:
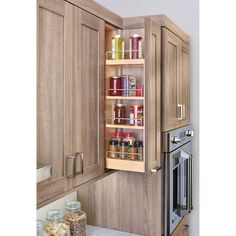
{"x": 56, "y": 225}
{"x": 76, "y": 218}
{"x": 40, "y": 228}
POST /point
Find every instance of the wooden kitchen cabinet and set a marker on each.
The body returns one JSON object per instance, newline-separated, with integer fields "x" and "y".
{"x": 175, "y": 81}
{"x": 69, "y": 96}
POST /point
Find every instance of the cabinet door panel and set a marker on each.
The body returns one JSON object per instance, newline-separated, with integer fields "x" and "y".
{"x": 152, "y": 95}
{"x": 51, "y": 97}
{"x": 170, "y": 77}
{"x": 88, "y": 93}
{"x": 185, "y": 83}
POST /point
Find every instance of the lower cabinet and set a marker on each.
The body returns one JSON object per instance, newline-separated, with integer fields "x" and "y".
{"x": 183, "y": 228}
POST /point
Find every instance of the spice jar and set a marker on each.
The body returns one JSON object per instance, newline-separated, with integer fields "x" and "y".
{"x": 133, "y": 152}
{"x": 129, "y": 137}
{"x": 76, "y": 218}
{"x": 115, "y": 86}
{"x": 139, "y": 146}
{"x": 56, "y": 225}
{"x": 114, "y": 149}
{"x": 123, "y": 149}
{"x": 119, "y": 114}
{"x": 118, "y": 136}
{"x": 40, "y": 228}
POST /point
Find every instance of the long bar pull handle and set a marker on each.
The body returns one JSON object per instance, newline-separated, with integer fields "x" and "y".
{"x": 155, "y": 170}
{"x": 81, "y": 169}
{"x": 180, "y": 106}
{"x": 70, "y": 166}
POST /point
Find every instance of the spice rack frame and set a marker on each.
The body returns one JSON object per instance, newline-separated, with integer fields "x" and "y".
{"x": 135, "y": 68}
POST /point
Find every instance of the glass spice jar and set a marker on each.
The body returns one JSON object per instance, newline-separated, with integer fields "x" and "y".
{"x": 115, "y": 86}
{"x": 40, "y": 228}
{"x": 139, "y": 146}
{"x": 129, "y": 137}
{"x": 76, "y": 218}
{"x": 123, "y": 149}
{"x": 118, "y": 136}
{"x": 119, "y": 114}
{"x": 133, "y": 152}
{"x": 113, "y": 149}
{"x": 56, "y": 225}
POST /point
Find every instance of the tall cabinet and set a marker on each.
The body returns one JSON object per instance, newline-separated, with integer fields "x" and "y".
{"x": 70, "y": 121}
{"x": 175, "y": 81}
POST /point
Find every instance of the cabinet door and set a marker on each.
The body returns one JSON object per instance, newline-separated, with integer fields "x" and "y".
{"x": 88, "y": 95}
{"x": 152, "y": 95}
{"x": 185, "y": 84}
{"x": 170, "y": 77}
{"x": 51, "y": 97}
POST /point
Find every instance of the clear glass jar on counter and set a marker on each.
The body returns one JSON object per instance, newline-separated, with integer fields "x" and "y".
{"x": 76, "y": 218}
{"x": 40, "y": 228}
{"x": 56, "y": 225}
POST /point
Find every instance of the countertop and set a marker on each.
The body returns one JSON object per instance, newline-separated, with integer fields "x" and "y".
{"x": 99, "y": 231}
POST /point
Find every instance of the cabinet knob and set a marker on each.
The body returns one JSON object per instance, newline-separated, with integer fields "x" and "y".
{"x": 175, "y": 140}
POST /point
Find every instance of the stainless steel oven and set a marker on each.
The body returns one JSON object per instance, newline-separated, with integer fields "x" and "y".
{"x": 177, "y": 162}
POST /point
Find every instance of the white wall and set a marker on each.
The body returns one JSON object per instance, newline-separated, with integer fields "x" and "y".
{"x": 184, "y": 13}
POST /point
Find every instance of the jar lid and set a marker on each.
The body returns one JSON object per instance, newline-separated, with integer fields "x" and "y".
{"x": 113, "y": 142}
{"x": 115, "y": 77}
{"x": 128, "y": 135}
{"x": 120, "y": 105}
{"x": 118, "y": 134}
{"x": 117, "y": 36}
{"x": 139, "y": 143}
{"x": 55, "y": 214}
{"x": 72, "y": 205}
{"x": 40, "y": 225}
{"x": 124, "y": 143}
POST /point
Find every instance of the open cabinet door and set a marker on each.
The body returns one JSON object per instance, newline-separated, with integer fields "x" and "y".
{"x": 152, "y": 95}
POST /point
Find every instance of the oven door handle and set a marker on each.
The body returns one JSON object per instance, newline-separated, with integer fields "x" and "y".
{"x": 186, "y": 209}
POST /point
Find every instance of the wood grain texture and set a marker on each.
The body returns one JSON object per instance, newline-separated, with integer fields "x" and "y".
{"x": 88, "y": 93}
{"x": 99, "y": 11}
{"x": 183, "y": 227}
{"x": 51, "y": 97}
{"x": 163, "y": 20}
{"x": 124, "y": 201}
{"x": 152, "y": 95}
{"x": 185, "y": 77}
{"x": 170, "y": 77}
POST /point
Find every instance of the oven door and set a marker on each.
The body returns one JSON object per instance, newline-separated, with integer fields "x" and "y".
{"x": 179, "y": 184}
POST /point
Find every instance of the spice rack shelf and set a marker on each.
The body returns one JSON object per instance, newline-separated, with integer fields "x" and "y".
{"x": 124, "y": 98}
{"x": 123, "y": 62}
{"x": 124, "y": 126}
{"x": 127, "y": 165}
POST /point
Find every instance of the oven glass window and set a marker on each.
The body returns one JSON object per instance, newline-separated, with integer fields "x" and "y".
{"x": 175, "y": 188}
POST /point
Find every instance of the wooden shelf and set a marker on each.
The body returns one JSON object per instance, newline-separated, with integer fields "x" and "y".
{"x": 124, "y": 126}
{"x": 122, "y": 62}
{"x": 117, "y": 164}
{"x": 124, "y": 98}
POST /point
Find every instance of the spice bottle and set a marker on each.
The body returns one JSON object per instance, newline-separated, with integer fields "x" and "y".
{"x": 119, "y": 114}
{"x": 139, "y": 146}
{"x": 40, "y": 228}
{"x": 76, "y": 218}
{"x": 113, "y": 149}
{"x": 118, "y": 136}
{"x": 133, "y": 152}
{"x": 123, "y": 149}
{"x": 115, "y": 86}
{"x": 56, "y": 225}
{"x": 129, "y": 137}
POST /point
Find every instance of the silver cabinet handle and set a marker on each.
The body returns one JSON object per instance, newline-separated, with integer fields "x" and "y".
{"x": 181, "y": 111}
{"x": 81, "y": 156}
{"x": 155, "y": 170}
{"x": 70, "y": 166}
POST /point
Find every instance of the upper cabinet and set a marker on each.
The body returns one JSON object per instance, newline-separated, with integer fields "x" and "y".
{"x": 175, "y": 81}
{"x": 133, "y": 95}
{"x": 70, "y": 121}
